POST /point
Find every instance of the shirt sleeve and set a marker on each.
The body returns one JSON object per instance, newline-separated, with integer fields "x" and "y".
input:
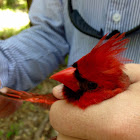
{"x": 27, "y": 58}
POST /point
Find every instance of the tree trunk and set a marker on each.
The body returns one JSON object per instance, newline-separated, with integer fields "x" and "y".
{"x": 1, "y": 3}
{"x": 29, "y": 3}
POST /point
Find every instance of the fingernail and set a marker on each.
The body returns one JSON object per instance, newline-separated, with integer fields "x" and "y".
{"x": 57, "y": 91}
{"x": 4, "y": 90}
{"x": 59, "y": 88}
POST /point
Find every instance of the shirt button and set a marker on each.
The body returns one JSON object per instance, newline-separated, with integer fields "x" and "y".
{"x": 116, "y": 17}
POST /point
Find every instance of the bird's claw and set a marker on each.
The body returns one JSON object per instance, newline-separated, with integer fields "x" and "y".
{"x": 25, "y": 96}
{"x": 14, "y": 94}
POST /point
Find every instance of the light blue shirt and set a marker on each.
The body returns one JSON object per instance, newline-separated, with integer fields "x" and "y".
{"x": 27, "y": 58}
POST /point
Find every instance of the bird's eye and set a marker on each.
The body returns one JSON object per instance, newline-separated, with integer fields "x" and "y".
{"x": 92, "y": 85}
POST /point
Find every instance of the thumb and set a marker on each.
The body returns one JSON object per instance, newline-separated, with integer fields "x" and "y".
{"x": 57, "y": 91}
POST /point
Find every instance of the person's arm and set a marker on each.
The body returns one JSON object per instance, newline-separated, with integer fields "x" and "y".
{"x": 26, "y": 59}
{"x": 115, "y": 118}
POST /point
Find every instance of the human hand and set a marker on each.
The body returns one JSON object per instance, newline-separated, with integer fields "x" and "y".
{"x": 115, "y": 118}
{"x": 7, "y": 106}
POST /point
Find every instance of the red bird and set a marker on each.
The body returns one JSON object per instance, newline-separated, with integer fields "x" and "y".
{"x": 94, "y": 78}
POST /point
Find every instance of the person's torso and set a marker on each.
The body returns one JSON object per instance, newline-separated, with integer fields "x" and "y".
{"x": 109, "y": 15}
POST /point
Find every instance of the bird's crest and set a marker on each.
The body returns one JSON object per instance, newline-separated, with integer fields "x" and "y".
{"x": 104, "y": 59}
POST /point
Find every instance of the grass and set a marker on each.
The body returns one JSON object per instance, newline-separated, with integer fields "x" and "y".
{"x": 13, "y": 130}
{"x": 1, "y": 133}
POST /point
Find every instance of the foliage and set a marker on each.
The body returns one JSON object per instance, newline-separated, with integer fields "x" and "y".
{"x": 14, "y": 4}
{"x": 10, "y": 2}
{"x": 13, "y": 130}
{"x": 66, "y": 59}
{"x": 6, "y": 33}
{"x": 1, "y": 133}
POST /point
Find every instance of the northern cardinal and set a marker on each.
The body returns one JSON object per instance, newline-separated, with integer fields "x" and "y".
{"x": 94, "y": 78}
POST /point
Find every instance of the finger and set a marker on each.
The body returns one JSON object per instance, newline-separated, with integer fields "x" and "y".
{"x": 4, "y": 90}
{"x": 63, "y": 137}
{"x": 57, "y": 91}
{"x": 134, "y": 89}
{"x": 133, "y": 71}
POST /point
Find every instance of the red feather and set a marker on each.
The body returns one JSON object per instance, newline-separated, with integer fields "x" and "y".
{"x": 103, "y": 59}
{"x": 103, "y": 65}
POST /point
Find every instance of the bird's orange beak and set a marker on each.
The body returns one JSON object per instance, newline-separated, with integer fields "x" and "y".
{"x": 67, "y": 77}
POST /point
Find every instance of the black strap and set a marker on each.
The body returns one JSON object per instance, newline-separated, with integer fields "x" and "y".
{"x": 85, "y": 28}
{"x": 81, "y": 24}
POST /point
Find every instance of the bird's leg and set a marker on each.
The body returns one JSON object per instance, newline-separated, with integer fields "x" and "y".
{"x": 13, "y": 94}
{"x": 25, "y": 96}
